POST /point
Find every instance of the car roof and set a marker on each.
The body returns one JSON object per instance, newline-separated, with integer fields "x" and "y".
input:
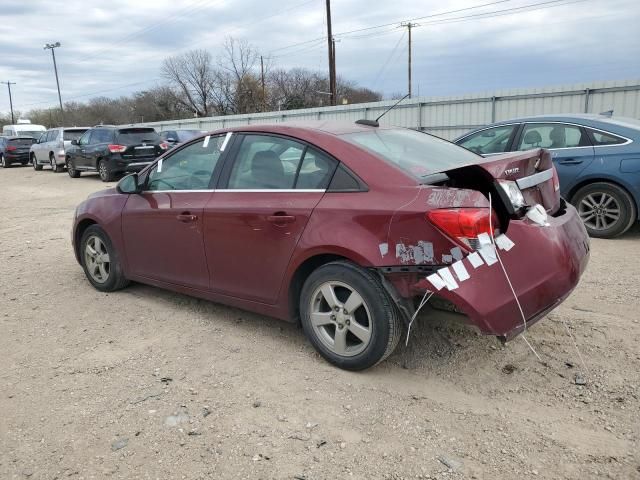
{"x": 324, "y": 126}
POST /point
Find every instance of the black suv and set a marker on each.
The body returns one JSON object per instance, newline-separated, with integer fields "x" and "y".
{"x": 111, "y": 151}
{"x": 15, "y": 150}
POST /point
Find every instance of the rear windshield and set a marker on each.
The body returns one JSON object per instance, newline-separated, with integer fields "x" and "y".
{"x": 184, "y": 135}
{"x": 30, "y": 133}
{"x": 22, "y": 142}
{"x": 134, "y": 136}
{"x": 417, "y": 153}
{"x": 73, "y": 134}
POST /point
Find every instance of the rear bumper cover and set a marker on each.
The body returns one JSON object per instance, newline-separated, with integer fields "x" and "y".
{"x": 544, "y": 267}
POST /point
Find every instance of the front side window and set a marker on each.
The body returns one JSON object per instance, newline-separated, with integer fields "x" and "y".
{"x": 266, "y": 162}
{"x": 84, "y": 139}
{"x": 552, "y": 135}
{"x": 491, "y": 140}
{"x": 190, "y": 168}
{"x": 602, "y": 138}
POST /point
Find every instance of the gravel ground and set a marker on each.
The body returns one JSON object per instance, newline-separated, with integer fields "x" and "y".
{"x": 145, "y": 383}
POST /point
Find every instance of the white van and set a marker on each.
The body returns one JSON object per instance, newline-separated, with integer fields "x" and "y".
{"x": 24, "y": 128}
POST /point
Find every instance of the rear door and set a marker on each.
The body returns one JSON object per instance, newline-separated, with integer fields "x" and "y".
{"x": 100, "y": 139}
{"x": 570, "y": 147}
{"x": 268, "y": 190}
{"x": 162, "y": 226}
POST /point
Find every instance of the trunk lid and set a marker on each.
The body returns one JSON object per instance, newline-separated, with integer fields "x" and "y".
{"x": 534, "y": 174}
{"x": 22, "y": 145}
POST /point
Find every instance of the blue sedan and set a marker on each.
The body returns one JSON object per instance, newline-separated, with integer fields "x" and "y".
{"x": 597, "y": 158}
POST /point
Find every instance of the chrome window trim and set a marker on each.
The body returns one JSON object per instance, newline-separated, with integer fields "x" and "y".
{"x": 227, "y": 190}
{"x": 273, "y": 190}
{"x": 535, "y": 179}
{"x": 627, "y": 140}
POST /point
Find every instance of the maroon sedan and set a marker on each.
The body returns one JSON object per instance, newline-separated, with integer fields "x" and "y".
{"x": 347, "y": 228}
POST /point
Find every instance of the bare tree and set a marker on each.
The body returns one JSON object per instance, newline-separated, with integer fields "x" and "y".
{"x": 194, "y": 77}
{"x": 238, "y": 87}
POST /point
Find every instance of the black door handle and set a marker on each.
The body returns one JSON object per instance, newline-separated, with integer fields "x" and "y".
{"x": 570, "y": 161}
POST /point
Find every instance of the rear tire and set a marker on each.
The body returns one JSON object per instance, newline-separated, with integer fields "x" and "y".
{"x": 105, "y": 171}
{"x": 100, "y": 260}
{"x": 606, "y": 209}
{"x": 36, "y": 167}
{"x": 71, "y": 169}
{"x": 3, "y": 162}
{"x": 361, "y": 328}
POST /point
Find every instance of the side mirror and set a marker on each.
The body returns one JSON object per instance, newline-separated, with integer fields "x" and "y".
{"x": 171, "y": 140}
{"x": 74, "y": 142}
{"x": 129, "y": 184}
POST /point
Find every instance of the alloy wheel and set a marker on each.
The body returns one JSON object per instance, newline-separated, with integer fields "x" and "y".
{"x": 96, "y": 258}
{"x": 102, "y": 170}
{"x": 340, "y": 318}
{"x": 599, "y": 210}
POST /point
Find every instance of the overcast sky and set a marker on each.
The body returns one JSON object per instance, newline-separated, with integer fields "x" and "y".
{"x": 115, "y": 47}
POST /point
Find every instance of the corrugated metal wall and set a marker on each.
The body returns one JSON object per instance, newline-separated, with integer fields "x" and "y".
{"x": 450, "y": 117}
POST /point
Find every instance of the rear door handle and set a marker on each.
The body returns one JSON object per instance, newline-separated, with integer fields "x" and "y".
{"x": 570, "y": 161}
{"x": 281, "y": 219}
{"x": 186, "y": 217}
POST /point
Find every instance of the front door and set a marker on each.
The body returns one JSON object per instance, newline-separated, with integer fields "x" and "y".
{"x": 269, "y": 188}
{"x": 570, "y": 148}
{"x": 162, "y": 226}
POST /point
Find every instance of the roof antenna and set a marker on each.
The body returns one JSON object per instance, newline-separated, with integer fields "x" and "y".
{"x": 374, "y": 123}
{"x": 608, "y": 113}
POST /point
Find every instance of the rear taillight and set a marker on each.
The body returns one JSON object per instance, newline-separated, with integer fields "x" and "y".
{"x": 11, "y": 148}
{"x": 117, "y": 148}
{"x": 463, "y": 225}
{"x": 164, "y": 146}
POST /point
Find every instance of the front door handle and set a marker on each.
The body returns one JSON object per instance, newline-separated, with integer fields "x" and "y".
{"x": 281, "y": 219}
{"x": 186, "y": 217}
{"x": 570, "y": 161}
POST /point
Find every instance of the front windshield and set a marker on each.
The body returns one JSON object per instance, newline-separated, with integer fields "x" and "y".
{"x": 417, "y": 153}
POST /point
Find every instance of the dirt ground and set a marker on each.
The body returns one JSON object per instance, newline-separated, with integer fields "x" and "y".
{"x": 144, "y": 383}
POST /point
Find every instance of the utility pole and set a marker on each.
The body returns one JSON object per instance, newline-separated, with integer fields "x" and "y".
{"x": 264, "y": 95}
{"x": 409, "y": 26}
{"x": 334, "y": 84}
{"x": 13, "y": 120}
{"x": 332, "y": 65}
{"x": 52, "y": 47}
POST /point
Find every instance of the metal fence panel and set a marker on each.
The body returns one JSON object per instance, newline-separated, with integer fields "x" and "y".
{"x": 449, "y": 117}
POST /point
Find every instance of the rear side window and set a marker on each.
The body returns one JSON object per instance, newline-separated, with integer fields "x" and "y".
{"x": 490, "y": 140}
{"x": 101, "y": 135}
{"x": 552, "y": 135}
{"x": 136, "y": 136}
{"x": 602, "y": 138}
{"x": 417, "y": 153}
{"x": 266, "y": 163}
{"x": 73, "y": 134}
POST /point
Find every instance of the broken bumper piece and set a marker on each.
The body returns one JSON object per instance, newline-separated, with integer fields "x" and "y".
{"x": 544, "y": 265}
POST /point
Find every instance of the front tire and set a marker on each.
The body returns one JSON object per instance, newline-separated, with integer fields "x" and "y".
{"x": 100, "y": 261}
{"x": 606, "y": 209}
{"x": 36, "y": 167}
{"x": 348, "y": 316}
{"x": 71, "y": 169}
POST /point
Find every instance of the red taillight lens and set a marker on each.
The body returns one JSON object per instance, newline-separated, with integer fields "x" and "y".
{"x": 11, "y": 148}
{"x": 117, "y": 148}
{"x": 164, "y": 146}
{"x": 464, "y": 224}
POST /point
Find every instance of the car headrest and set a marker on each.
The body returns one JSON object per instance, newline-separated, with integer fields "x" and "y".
{"x": 557, "y": 136}
{"x": 532, "y": 136}
{"x": 267, "y": 167}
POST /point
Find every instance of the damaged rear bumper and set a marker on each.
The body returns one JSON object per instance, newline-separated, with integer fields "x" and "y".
{"x": 544, "y": 267}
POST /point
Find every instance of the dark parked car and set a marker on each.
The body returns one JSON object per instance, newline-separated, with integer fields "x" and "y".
{"x": 175, "y": 137}
{"x": 15, "y": 150}
{"x": 344, "y": 227}
{"x": 597, "y": 159}
{"x": 111, "y": 151}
